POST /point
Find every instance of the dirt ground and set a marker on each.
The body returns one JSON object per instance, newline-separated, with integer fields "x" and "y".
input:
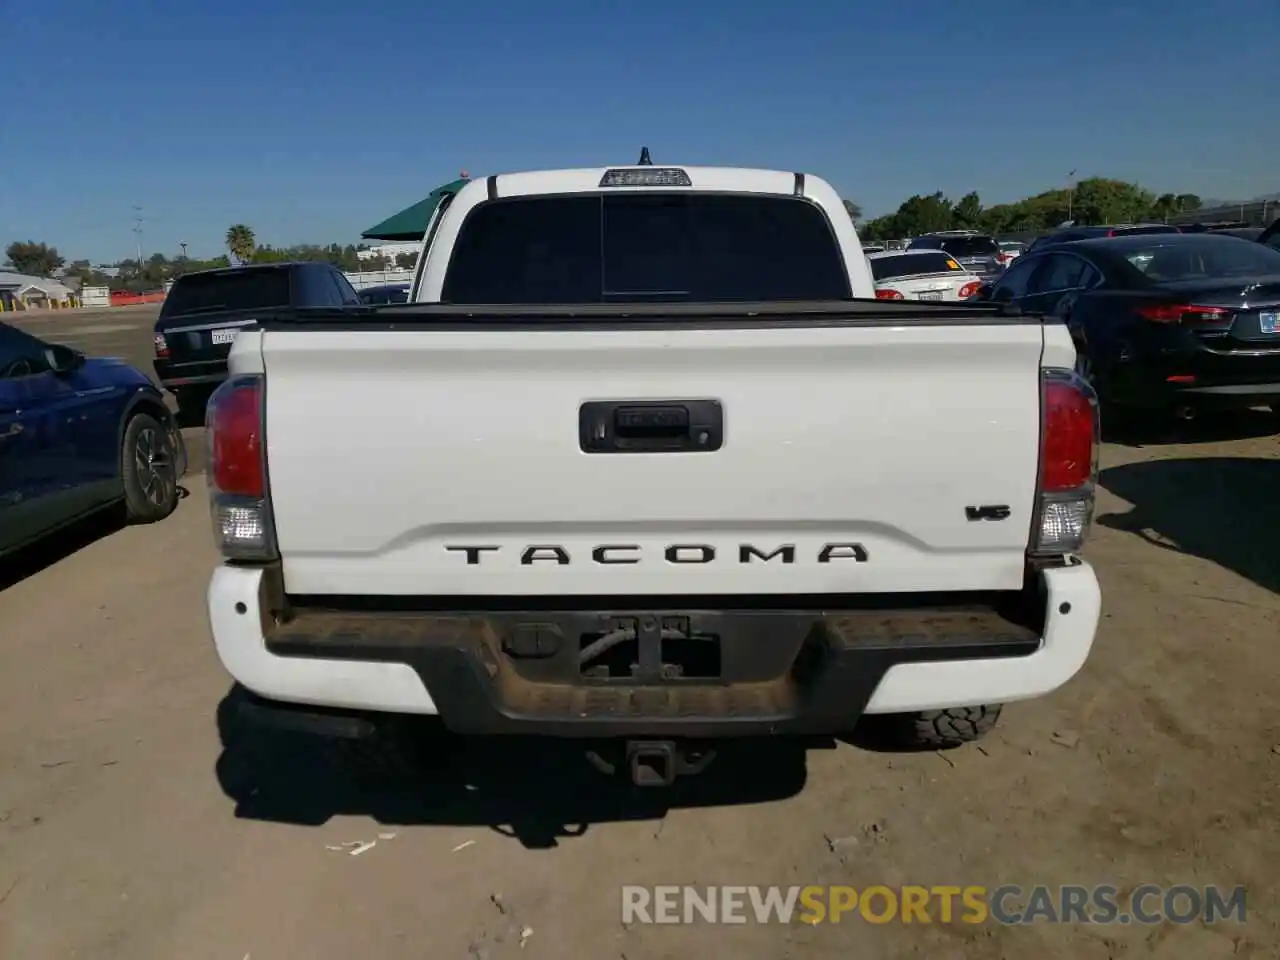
{"x": 133, "y": 824}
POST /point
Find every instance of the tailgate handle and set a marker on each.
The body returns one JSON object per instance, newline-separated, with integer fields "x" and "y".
{"x": 666, "y": 420}
{"x": 663, "y": 426}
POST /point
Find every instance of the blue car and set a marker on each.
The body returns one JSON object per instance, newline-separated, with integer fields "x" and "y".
{"x": 79, "y": 435}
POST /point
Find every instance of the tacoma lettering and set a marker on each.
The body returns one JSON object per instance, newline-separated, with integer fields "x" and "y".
{"x": 610, "y": 554}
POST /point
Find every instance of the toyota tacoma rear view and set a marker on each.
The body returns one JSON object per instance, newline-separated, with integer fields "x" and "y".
{"x": 644, "y": 462}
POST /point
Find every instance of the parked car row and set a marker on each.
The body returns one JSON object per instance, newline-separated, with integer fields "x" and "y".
{"x": 1161, "y": 320}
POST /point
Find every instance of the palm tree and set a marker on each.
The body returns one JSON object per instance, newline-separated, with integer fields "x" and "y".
{"x": 241, "y": 242}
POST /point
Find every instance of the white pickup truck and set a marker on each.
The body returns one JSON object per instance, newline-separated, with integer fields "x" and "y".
{"x": 644, "y": 461}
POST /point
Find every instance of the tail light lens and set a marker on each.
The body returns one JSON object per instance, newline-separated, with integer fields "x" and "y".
{"x": 1188, "y": 315}
{"x": 162, "y": 346}
{"x": 888, "y": 295}
{"x": 1003, "y": 257}
{"x": 237, "y": 472}
{"x": 1069, "y": 435}
{"x": 969, "y": 289}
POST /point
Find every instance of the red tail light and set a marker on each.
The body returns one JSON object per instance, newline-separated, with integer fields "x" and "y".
{"x": 969, "y": 289}
{"x": 1186, "y": 314}
{"x": 234, "y": 429}
{"x": 1067, "y": 451}
{"x": 162, "y": 347}
{"x": 1069, "y": 436}
{"x": 888, "y": 295}
{"x": 234, "y": 422}
{"x": 1004, "y": 257}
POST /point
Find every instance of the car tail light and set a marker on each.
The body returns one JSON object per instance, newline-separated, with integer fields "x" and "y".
{"x": 162, "y": 346}
{"x": 1069, "y": 435}
{"x": 237, "y": 470}
{"x": 1003, "y": 257}
{"x": 1189, "y": 315}
{"x": 969, "y": 289}
{"x": 889, "y": 295}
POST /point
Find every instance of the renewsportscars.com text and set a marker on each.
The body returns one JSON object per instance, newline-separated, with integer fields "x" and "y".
{"x": 1010, "y": 904}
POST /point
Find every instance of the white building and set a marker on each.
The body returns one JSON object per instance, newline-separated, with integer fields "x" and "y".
{"x": 388, "y": 250}
{"x": 21, "y": 291}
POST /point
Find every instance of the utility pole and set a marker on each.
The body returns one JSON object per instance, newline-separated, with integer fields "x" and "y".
{"x": 1071, "y": 193}
{"x": 137, "y": 234}
{"x": 183, "y": 245}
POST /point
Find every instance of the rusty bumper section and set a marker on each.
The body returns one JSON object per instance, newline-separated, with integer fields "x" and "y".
{"x": 535, "y": 672}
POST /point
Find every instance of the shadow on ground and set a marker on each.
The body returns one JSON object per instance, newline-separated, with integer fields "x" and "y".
{"x": 57, "y": 546}
{"x": 1141, "y": 429}
{"x": 535, "y": 790}
{"x": 1222, "y": 509}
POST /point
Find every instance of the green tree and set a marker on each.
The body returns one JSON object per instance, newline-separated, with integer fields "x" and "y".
{"x": 241, "y": 242}
{"x": 923, "y": 214}
{"x": 406, "y": 261}
{"x": 854, "y": 210}
{"x": 35, "y": 259}
{"x": 967, "y": 214}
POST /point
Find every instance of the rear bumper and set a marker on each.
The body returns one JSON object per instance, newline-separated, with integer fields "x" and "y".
{"x": 783, "y": 671}
{"x": 1199, "y": 378}
{"x": 174, "y": 376}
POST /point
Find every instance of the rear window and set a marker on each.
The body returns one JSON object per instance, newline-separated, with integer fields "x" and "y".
{"x": 969, "y": 246}
{"x": 1204, "y": 258}
{"x": 255, "y": 289}
{"x": 913, "y": 265}
{"x": 596, "y": 248}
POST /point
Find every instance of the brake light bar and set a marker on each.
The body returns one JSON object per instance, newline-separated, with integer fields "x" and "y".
{"x": 1070, "y": 432}
{"x": 646, "y": 177}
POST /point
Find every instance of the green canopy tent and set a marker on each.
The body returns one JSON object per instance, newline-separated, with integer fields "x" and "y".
{"x": 411, "y": 222}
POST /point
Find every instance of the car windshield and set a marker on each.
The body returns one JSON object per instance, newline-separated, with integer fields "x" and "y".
{"x": 969, "y": 246}
{"x": 1008, "y": 247}
{"x": 254, "y": 289}
{"x": 1205, "y": 258}
{"x": 601, "y": 248}
{"x": 913, "y": 265}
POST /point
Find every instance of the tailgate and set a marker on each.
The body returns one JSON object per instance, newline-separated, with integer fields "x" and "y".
{"x": 449, "y": 462}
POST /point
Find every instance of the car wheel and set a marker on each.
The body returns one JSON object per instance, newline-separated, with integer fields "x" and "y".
{"x": 932, "y": 729}
{"x": 148, "y": 467}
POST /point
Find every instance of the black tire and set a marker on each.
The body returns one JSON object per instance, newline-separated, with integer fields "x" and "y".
{"x": 935, "y": 729}
{"x": 148, "y": 469}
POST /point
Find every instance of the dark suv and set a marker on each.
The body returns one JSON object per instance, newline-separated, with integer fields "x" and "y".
{"x": 204, "y": 311}
{"x": 976, "y": 252}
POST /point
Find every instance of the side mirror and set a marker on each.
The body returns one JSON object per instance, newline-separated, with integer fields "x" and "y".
{"x": 62, "y": 359}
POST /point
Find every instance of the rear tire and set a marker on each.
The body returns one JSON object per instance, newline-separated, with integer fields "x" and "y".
{"x": 148, "y": 469}
{"x": 934, "y": 729}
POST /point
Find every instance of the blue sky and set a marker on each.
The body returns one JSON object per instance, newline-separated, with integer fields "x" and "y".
{"x": 310, "y": 121}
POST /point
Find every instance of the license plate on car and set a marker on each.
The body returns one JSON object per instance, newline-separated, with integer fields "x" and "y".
{"x": 930, "y": 295}
{"x": 226, "y": 335}
{"x": 1269, "y": 322}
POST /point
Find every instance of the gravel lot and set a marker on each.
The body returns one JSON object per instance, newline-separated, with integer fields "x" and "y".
{"x": 133, "y": 826}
